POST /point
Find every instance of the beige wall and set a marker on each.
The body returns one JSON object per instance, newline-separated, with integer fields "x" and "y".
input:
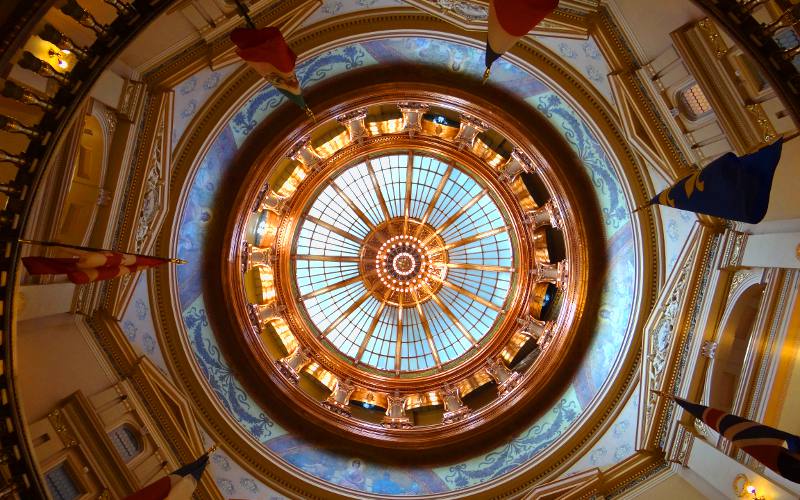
{"x": 652, "y": 22}
{"x": 55, "y": 359}
{"x": 670, "y": 488}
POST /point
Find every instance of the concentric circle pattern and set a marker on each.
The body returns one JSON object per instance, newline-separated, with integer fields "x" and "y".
{"x": 403, "y": 263}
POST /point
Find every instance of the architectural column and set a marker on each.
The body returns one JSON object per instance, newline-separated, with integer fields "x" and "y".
{"x": 545, "y": 215}
{"x": 772, "y": 250}
{"x": 305, "y": 154}
{"x": 412, "y": 116}
{"x": 354, "y": 123}
{"x": 293, "y": 364}
{"x": 518, "y": 163}
{"x": 339, "y": 399}
{"x": 505, "y": 378}
{"x": 468, "y": 130}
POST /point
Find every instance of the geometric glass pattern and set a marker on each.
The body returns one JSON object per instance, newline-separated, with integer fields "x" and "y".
{"x": 443, "y": 229}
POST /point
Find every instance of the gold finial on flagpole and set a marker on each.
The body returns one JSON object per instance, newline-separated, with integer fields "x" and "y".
{"x": 310, "y": 114}
{"x": 486, "y": 74}
{"x": 641, "y": 207}
{"x": 178, "y": 261}
{"x": 212, "y": 449}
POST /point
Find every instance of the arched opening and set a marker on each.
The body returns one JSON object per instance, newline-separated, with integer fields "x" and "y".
{"x": 732, "y": 348}
{"x": 80, "y": 205}
{"x": 126, "y": 441}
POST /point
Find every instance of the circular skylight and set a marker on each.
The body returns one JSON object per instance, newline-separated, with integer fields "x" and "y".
{"x": 403, "y": 263}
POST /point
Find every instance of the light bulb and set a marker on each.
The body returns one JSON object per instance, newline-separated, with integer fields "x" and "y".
{"x": 66, "y": 52}
{"x": 62, "y": 64}
{"x": 751, "y": 489}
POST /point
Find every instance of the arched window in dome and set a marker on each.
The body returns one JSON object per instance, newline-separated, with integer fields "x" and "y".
{"x": 61, "y": 483}
{"x": 127, "y": 442}
{"x": 692, "y": 102}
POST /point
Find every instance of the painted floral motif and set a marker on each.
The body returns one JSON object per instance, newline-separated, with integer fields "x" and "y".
{"x": 219, "y": 375}
{"x": 137, "y": 324}
{"x": 517, "y": 451}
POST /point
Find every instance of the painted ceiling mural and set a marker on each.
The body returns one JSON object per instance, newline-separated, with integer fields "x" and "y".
{"x": 354, "y": 472}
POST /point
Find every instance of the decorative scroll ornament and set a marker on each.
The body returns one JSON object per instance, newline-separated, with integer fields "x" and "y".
{"x": 661, "y": 335}
{"x": 153, "y": 199}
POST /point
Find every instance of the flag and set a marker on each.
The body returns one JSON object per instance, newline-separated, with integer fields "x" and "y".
{"x": 731, "y": 187}
{"x": 510, "y": 20}
{"x": 267, "y": 52}
{"x": 86, "y": 267}
{"x": 177, "y": 486}
{"x": 778, "y": 450}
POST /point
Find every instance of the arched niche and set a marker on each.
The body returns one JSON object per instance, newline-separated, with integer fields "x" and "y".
{"x": 80, "y": 206}
{"x": 733, "y": 339}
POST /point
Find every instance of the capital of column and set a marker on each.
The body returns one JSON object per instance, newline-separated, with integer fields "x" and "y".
{"x": 354, "y": 123}
{"x": 412, "y": 115}
{"x": 293, "y": 364}
{"x": 454, "y": 408}
{"x": 518, "y": 163}
{"x": 273, "y": 202}
{"x": 260, "y": 314}
{"x": 305, "y": 154}
{"x": 339, "y": 399}
{"x": 536, "y": 329}
{"x": 468, "y": 130}
{"x": 544, "y": 215}
{"x": 506, "y": 379}
{"x": 553, "y": 273}
{"x": 259, "y": 257}
{"x": 395, "y": 416}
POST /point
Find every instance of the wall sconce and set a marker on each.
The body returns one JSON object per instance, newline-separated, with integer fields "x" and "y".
{"x": 745, "y": 489}
{"x": 59, "y": 56}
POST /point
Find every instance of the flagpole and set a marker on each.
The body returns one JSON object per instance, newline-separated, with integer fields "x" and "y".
{"x": 92, "y": 249}
{"x": 245, "y": 14}
{"x": 486, "y": 74}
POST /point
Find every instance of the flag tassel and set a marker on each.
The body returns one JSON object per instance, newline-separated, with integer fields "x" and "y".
{"x": 92, "y": 249}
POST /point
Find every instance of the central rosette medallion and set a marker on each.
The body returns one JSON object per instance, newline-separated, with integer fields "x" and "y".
{"x": 403, "y": 261}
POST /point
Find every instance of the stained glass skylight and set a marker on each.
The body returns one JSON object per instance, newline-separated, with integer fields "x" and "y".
{"x": 404, "y": 263}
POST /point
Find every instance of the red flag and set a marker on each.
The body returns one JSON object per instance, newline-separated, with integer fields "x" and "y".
{"x": 510, "y": 20}
{"x": 85, "y": 267}
{"x": 266, "y": 51}
{"x": 177, "y": 486}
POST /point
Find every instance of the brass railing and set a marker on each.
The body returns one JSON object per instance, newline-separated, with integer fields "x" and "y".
{"x": 760, "y": 40}
{"x": 18, "y": 471}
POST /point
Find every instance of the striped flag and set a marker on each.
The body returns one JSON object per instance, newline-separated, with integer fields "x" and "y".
{"x": 267, "y": 52}
{"x": 87, "y": 266}
{"x": 177, "y": 486}
{"x": 778, "y": 450}
{"x": 510, "y": 20}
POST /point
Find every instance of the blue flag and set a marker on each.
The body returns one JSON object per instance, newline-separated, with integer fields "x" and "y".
{"x": 730, "y": 187}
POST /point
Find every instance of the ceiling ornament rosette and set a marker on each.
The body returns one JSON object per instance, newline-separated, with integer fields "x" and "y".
{"x": 312, "y": 342}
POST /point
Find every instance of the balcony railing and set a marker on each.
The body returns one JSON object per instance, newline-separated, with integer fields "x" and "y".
{"x": 17, "y": 466}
